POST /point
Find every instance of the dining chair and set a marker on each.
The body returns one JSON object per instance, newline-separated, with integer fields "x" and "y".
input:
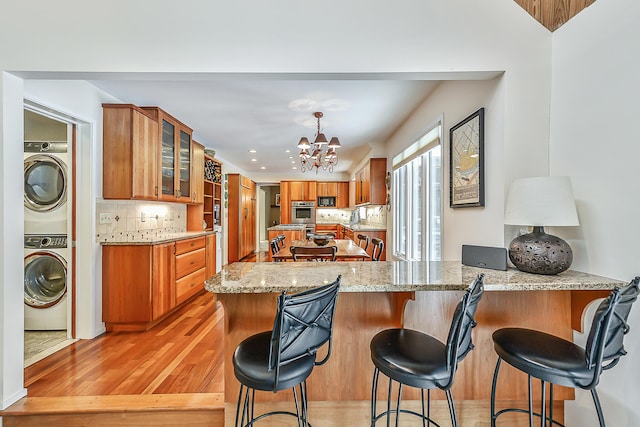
{"x": 284, "y": 357}
{"x": 419, "y": 360}
{"x": 281, "y": 240}
{"x": 275, "y": 247}
{"x": 378, "y": 247}
{"x": 555, "y": 360}
{"x": 310, "y": 253}
{"x": 363, "y": 238}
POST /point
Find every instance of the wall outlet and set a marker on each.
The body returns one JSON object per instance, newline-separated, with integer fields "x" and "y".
{"x": 143, "y": 217}
{"x": 105, "y": 218}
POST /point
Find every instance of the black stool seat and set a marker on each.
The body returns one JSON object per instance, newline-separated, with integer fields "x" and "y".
{"x": 251, "y": 365}
{"x": 554, "y": 360}
{"x": 284, "y": 357}
{"x": 410, "y": 357}
{"x": 543, "y": 356}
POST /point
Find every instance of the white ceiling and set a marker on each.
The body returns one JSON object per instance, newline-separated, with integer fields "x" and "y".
{"x": 234, "y": 115}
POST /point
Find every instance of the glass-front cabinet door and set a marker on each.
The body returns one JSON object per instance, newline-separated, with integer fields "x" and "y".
{"x": 184, "y": 164}
{"x": 168, "y": 160}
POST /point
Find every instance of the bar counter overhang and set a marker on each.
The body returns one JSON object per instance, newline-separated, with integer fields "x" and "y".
{"x": 417, "y": 295}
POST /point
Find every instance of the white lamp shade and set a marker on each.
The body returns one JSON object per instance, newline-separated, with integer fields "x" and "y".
{"x": 541, "y": 201}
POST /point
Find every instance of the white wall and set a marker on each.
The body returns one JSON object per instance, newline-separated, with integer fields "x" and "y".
{"x": 595, "y": 139}
{"x": 367, "y": 36}
{"x": 454, "y": 101}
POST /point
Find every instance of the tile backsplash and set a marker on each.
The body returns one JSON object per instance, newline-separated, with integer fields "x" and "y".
{"x": 374, "y": 215}
{"x": 330, "y": 215}
{"x": 138, "y": 221}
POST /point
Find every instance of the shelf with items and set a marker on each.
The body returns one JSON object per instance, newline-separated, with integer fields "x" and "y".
{"x": 212, "y": 192}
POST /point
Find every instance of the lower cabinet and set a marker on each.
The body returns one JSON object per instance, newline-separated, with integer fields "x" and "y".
{"x": 142, "y": 284}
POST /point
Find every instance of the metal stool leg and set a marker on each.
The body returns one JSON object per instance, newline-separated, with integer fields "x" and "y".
{"x": 374, "y": 395}
{"x": 530, "y": 404}
{"x": 389, "y": 403}
{"x": 596, "y": 401}
{"x": 493, "y": 393}
{"x": 543, "y": 409}
{"x": 452, "y": 409}
{"x": 398, "y": 404}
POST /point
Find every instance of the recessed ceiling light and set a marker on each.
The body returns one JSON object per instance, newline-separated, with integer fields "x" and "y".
{"x": 294, "y": 167}
{"x": 287, "y": 151}
{"x": 291, "y": 157}
{"x": 263, "y": 167}
{"x": 293, "y": 162}
{"x": 252, "y": 151}
{"x": 254, "y": 160}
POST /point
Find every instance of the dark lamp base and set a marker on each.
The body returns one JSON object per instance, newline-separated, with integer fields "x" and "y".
{"x": 540, "y": 253}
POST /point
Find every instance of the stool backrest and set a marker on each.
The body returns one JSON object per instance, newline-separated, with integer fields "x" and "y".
{"x": 275, "y": 247}
{"x": 459, "y": 341}
{"x": 363, "y": 238}
{"x": 310, "y": 253}
{"x": 378, "y": 247}
{"x": 609, "y": 326}
{"x": 281, "y": 240}
{"x": 303, "y": 324}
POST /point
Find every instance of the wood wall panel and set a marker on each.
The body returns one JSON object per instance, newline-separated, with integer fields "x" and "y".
{"x": 553, "y": 13}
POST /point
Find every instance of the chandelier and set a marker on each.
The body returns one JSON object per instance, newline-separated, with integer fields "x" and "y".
{"x": 319, "y": 154}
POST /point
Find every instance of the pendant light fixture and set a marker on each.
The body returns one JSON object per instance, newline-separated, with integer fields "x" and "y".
{"x": 319, "y": 154}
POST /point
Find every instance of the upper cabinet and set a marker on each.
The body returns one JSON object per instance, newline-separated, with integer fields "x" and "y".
{"x": 327, "y": 189}
{"x": 197, "y": 173}
{"x": 130, "y": 153}
{"x": 337, "y": 189}
{"x": 302, "y": 191}
{"x": 175, "y": 157}
{"x": 342, "y": 198}
{"x": 370, "y": 184}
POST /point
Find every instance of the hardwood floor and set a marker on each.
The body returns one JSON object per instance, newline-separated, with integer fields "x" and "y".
{"x": 173, "y": 375}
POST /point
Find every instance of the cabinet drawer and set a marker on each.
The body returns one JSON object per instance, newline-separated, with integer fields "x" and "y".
{"x": 189, "y": 285}
{"x": 190, "y": 262}
{"x": 187, "y": 245}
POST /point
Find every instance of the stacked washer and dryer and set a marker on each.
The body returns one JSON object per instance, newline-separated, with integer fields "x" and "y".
{"x": 46, "y": 241}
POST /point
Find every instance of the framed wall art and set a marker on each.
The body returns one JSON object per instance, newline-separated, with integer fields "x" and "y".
{"x": 466, "y": 162}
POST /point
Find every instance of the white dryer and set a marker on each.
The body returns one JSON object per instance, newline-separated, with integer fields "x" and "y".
{"x": 45, "y": 282}
{"x": 46, "y": 187}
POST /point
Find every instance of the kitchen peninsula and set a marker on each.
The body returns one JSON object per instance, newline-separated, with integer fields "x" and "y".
{"x": 418, "y": 295}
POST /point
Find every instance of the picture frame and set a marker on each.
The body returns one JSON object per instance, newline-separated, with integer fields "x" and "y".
{"x": 466, "y": 162}
{"x": 277, "y": 199}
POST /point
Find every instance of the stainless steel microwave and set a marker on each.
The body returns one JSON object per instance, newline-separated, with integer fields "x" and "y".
{"x": 327, "y": 202}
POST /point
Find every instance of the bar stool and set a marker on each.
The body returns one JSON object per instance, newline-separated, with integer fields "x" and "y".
{"x": 284, "y": 357}
{"x": 363, "y": 238}
{"x": 557, "y": 361}
{"x": 419, "y": 360}
{"x": 378, "y": 246}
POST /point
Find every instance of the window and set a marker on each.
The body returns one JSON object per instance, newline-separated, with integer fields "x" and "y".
{"x": 417, "y": 193}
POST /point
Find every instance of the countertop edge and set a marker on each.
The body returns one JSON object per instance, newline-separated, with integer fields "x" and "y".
{"x": 173, "y": 238}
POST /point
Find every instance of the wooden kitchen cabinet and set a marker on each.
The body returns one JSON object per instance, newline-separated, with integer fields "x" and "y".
{"x": 197, "y": 173}
{"x": 142, "y": 284}
{"x": 327, "y": 189}
{"x": 163, "y": 291}
{"x": 241, "y": 224}
{"x": 190, "y": 268}
{"x": 212, "y": 188}
{"x": 138, "y": 285}
{"x": 342, "y": 199}
{"x": 174, "y": 157}
{"x": 130, "y": 153}
{"x": 370, "y": 186}
{"x": 302, "y": 191}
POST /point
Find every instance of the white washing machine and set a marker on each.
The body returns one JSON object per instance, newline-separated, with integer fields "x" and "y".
{"x": 45, "y": 282}
{"x": 46, "y": 187}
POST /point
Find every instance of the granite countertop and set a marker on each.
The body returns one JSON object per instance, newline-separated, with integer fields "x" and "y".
{"x": 287, "y": 227}
{"x": 391, "y": 276}
{"x": 160, "y": 238}
{"x": 355, "y": 227}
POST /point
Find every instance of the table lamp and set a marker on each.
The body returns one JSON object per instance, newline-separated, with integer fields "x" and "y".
{"x": 539, "y": 202}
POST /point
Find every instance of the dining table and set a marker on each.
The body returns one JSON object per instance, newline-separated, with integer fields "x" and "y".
{"x": 348, "y": 250}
